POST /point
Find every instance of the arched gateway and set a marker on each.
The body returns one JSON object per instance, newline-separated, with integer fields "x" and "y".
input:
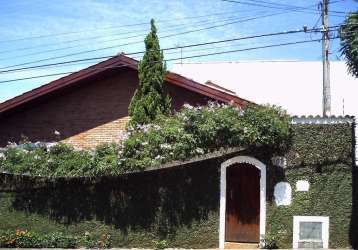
{"x": 242, "y": 201}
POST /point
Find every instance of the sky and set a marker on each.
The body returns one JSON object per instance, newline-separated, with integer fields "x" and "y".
{"x": 57, "y": 31}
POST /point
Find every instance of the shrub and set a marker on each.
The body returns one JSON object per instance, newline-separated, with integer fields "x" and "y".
{"x": 198, "y": 130}
{"x": 160, "y": 244}
{"x": 57, "y": 160}
{"x": 105, "y": 160}
{"x": 59, "y": 240}
{"x": 29, "y": 239}
{"x": 191, "y": 132}
{"x": 270, "y": 242}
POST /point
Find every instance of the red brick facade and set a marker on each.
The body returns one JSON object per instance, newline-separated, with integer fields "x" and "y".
{"x": 87, "y": 114}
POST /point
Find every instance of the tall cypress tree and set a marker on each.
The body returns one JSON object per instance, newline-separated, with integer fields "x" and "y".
{"x": 149, "y": 99}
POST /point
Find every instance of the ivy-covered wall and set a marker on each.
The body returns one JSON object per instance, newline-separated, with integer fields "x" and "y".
{"x": 322, "y": 155}
{"x": 181, "y": 204}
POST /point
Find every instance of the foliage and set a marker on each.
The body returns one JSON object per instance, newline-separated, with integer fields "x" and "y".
{"x": 59, "y": 160}
{"x": 322, "y": 155}
{"x": 191, "y": 132}
{"x": 149, "y": 99}
{"x": 160, "y": 244}
{"x": 105, "y": 160}
{"x": 29, "y": 239}
{"x": 270, "y": 241}
{"x": 198, "y": 130}
{"x": 136, "y": 209}
{"x": 349, "y": 42}
{"x": 89, "y": 241}
{"x": 181, "y": 205}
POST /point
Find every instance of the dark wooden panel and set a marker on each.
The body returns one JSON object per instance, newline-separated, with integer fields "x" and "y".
{"x": 242, "y": 203}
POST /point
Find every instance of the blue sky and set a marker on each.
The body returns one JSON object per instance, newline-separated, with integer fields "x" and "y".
{"x": 38, "y": 29}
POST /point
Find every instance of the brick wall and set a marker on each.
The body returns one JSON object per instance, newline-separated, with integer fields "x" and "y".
{"x": 86, "y": 115}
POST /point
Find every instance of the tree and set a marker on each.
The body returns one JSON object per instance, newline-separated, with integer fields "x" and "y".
{"x": 349, "y": 42}
{"x": 149, "y": 99}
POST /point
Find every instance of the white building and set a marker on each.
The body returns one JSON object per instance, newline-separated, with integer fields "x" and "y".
{"x": 294, "y": 85}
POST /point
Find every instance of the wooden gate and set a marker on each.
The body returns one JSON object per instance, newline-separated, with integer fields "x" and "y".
{"x": 242, "y": 203}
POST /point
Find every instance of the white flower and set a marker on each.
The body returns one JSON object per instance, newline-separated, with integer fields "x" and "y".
{"x": 56, "y": 132}
{"x": 11, "y": 144}
{"x": 144, "y": 143}
{"x": 188, "y": 106}
{"x": 144, "y": 128}
{"x": 165, "y": 146}
{"x": 158, "y": 157}
{"x": 199, "y": 151}
{"x": 157, "y": 127}
{"x": 50, "y": 145}
{"x": 2, "y": 156}
{"x": 50, "y": 160}
{"x": 123, "y": 135}
{"x": 77, "y": 149}
{"x": 37, "y": 157}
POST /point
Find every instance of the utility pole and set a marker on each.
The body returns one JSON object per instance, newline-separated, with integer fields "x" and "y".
{"x": 325, "y": 60}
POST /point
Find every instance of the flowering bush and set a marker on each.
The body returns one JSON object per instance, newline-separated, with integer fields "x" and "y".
{"x": 198, "y": 130}
{"x": 59, "y": 160}
{"x": 191, "y": 132}
{"x": 29, "y": 239}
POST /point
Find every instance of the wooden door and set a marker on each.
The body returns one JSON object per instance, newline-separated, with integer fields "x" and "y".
{"x": 242, "y": 203}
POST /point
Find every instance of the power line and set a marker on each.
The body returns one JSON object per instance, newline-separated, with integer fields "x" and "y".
{"x": 333, "y": 2}
{"x": 101, "y": 36}
{"x": 276, "y": 7}
{"x": 180, "y": 58}
{"x": 35, "y": 77}
{"x": 173, "y": 48}
{"x": 248, "y": 49}
{"x": 172, "y": 28}
{"x": 140, "y": 41}
{"x": 116, "y": 27}
{"x": 110, "y": 47}
{"x": 293, "y": 6}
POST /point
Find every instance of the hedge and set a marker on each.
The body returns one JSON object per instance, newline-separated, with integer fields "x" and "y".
{"x": 179, "y": 206}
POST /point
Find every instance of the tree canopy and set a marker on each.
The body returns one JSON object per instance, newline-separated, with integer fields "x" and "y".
{"x": 349, "y": 42}
{"x": 150, "y": 100}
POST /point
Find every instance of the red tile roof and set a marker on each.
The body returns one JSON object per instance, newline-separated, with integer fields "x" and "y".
{"x": 118, "y": 61}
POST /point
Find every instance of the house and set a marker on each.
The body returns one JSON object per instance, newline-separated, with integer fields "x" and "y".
{"x": 90, "y": 106}
{"x": 304, "y": 197}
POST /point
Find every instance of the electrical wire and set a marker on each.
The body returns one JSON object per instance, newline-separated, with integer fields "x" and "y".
{"x": 293, "y": 6}
{"x": 140, "y": 41}
{"x": 172, "y": 28}
{"x": 117, "y": 34}
{"x": 275, "y": 7}
{"x": 180, "y": 58}
{"x": 173, "y": 48}
{"x": 116, "y": 27}
{"x": 110, "y": 47}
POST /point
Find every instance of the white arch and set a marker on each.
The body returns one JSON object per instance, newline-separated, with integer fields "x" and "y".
{"x": 258, "y": 164}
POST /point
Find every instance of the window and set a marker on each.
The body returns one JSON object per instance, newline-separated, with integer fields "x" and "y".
{"x": 310, "y": 231}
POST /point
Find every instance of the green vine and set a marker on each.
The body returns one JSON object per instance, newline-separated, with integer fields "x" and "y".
{"x": 191, "y": 132}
